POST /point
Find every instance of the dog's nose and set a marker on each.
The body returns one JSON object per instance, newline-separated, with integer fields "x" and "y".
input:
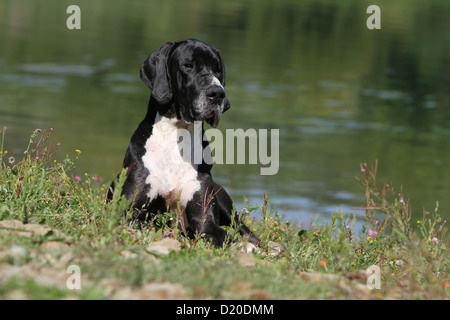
{"x": 215, "y": 94}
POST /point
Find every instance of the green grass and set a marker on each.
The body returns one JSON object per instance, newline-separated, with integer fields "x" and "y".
{"x": 51, "y": 219}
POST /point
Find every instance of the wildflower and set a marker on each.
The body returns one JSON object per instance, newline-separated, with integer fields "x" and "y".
{"x": 363, "y": 166}
{"x": 435, "y": 240}
{"x": 323, "y": 262}
{"x": 372, "y": 234}
{"x": 399, "y": 263}
{"x": 11, "y": 160}
{"x": 96, "y": 179}
{"x": 77, "y": 178}
{"x": 78, "y": 151}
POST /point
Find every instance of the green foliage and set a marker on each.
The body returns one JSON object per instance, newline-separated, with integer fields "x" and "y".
{"x": 413, "y": 256}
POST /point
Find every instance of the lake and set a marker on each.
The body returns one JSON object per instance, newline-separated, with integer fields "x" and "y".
{"x": 339, "y": 93}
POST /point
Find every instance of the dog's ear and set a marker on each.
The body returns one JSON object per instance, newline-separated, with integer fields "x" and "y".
{"x": 154, "y": 73}
{"x": 222, "y": 79}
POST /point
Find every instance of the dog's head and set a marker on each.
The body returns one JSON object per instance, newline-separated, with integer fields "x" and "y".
{"x": 190, "y": 76}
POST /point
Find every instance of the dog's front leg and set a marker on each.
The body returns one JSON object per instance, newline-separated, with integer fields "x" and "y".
{"x": 225, "y": 209}
{"x": 200, "y": 213}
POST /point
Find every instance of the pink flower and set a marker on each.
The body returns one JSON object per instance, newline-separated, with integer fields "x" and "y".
{"x": 96, "y": 179}
{"x": 372, "y": 234}
{"x": 363, "y": 167}
{"x": 77, "y": 178}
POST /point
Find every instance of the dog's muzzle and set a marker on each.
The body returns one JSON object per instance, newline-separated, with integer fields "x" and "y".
{"x": 218, "y": 102}
{"x": 215, "y": 95}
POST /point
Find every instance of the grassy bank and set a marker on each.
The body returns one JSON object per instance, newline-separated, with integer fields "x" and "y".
{"x": 54, "y": 224}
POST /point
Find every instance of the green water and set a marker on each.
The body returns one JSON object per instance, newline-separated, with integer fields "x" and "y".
{"x": 339, "y": 93}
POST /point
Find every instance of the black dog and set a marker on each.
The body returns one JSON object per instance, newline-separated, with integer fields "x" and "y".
{"x": 187, "y": 80}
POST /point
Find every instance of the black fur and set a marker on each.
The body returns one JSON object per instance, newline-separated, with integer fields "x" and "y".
{"x": 177, "y": 74}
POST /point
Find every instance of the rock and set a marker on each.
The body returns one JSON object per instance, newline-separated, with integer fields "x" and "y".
{"x": 243, "y": 290}
{"x": 350, "y": 288}
{"x": 162, "y": 291}
{"x": 11, "y": 224}
{"x": 153, "y": 291}
{"x": 14, "y": 227}
{"x": 16, "y": 295}
{"x": 18, "y": 228}
{"x": 164, "y": 246}
{"x": 37, "y": 229}
{"x": 111, "y": 286}
{"x": 274, "y": 249}
{"x": 318, "y": 277}
{"x": 258, "y": 294}
{"x": 18, "y": 252}
{"x": 246, "y": 260}
{"x": 246, "y": 247}
{"x": 128, "y": 254}
{"x": 45, "y": 276}
{"x": 55, "y": 245}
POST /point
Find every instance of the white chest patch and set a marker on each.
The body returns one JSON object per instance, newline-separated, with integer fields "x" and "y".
{"x": 172, "y": 176}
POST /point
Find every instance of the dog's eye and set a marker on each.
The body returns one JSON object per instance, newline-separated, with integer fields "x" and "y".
{"x": 188, "y": 66}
